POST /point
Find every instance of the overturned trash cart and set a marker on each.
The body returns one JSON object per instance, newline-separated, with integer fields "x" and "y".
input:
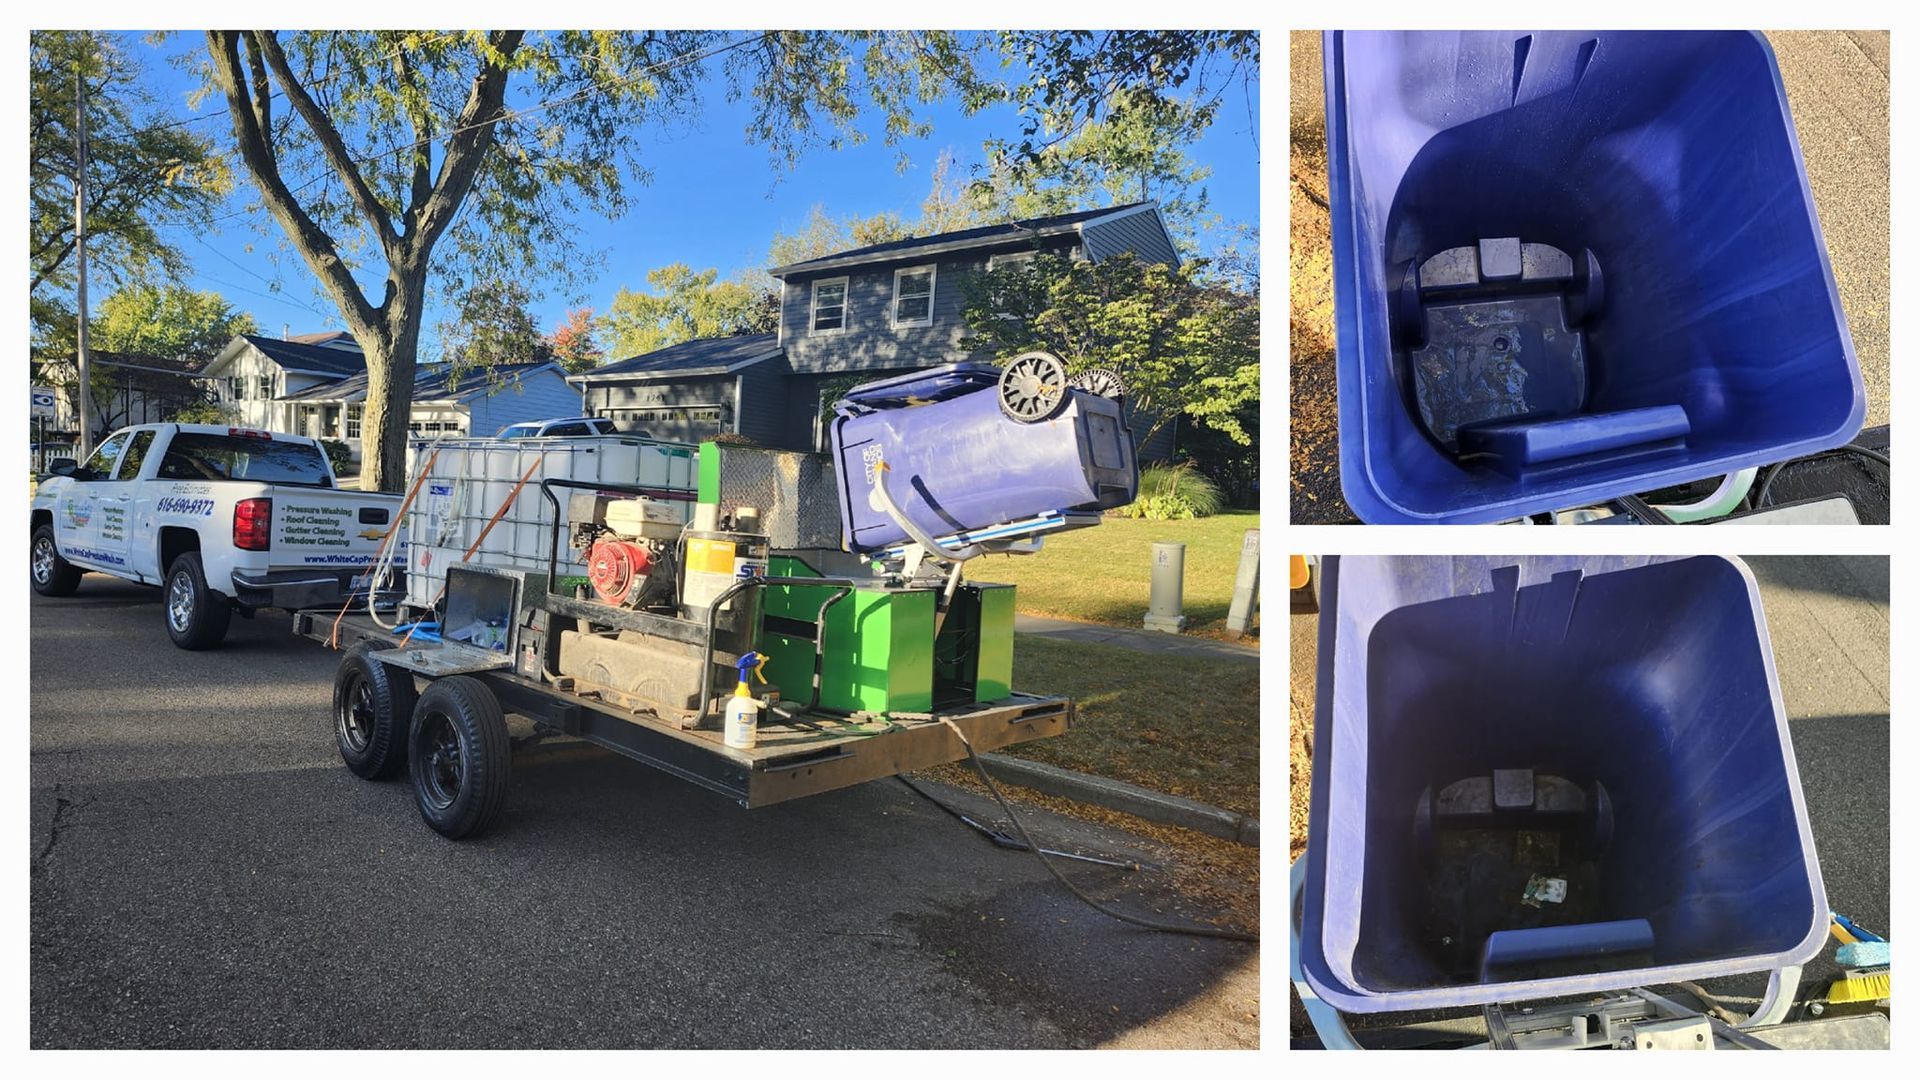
{"x": 1537, "y": 777}
{"x": 1570, "y": 267}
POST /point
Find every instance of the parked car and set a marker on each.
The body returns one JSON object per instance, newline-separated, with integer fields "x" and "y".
{"x": 223, "y": 518}
{"x": 570, "y": 425}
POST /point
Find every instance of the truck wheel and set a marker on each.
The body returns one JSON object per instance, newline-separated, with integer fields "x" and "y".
{"x": 458, "y": 754}
{"x": 372, "y": 707}
{"x": 51, "y": 575}
{"x": 197, "y": 616}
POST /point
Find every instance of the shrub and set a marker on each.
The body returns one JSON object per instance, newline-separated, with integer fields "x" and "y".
{"x": 205, "y": 412}
{"x": 1174, "y": 493}
{"x": 339, "y": 455}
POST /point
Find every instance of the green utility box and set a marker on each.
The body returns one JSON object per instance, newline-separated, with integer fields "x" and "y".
{"x": 973, "y": 657}
{"x": 879, "y": 644}
{"x": 881, "y": 655}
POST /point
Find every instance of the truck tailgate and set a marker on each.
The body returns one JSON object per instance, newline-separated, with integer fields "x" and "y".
{"x": 331, "y": 526}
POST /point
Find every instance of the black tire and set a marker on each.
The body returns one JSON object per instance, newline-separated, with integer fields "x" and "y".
{"x": 50, "y": 574}
{"x": 459, "y": 756}
{"x": 195, "y": 615}
{"x": 372, "y": 712}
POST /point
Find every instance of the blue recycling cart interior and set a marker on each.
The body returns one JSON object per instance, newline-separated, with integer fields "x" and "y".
{"x": 1491, "y": 730}
{"x": 1570, "y": 266}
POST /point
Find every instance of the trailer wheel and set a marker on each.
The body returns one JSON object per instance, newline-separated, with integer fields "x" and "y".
{"x": 197, "y": 617}
{"x": 372, "y": 708}
{"x": 459, "y": 756}
{"x": 51, "y": 575}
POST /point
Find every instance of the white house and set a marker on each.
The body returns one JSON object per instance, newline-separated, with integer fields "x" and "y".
{"x": 316, "y": 385}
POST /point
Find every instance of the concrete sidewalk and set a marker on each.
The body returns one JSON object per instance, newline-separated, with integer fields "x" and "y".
{"x": 1142, "y": 640}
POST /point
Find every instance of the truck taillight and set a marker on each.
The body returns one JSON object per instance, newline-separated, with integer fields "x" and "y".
{"x": 253, "y": 524}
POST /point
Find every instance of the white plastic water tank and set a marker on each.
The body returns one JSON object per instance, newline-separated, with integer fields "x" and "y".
{"x": 468, "y": 479}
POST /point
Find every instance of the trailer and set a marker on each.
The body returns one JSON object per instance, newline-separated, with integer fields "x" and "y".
{"x": 632, "y": 578}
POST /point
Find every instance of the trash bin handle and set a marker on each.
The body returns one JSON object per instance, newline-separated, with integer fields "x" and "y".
{"x": 1564, "y": 943}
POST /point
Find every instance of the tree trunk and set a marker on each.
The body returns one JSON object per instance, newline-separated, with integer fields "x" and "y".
{"x": 392, "y": 364}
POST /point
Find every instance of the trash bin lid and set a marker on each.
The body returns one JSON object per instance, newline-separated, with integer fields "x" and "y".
{"x": 921, "y": 387}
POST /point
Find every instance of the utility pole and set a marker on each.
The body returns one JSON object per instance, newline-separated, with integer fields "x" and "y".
{"x": 83, "y": 398}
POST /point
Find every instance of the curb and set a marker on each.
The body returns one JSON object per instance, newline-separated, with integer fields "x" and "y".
{"x": 1124, "y": 797}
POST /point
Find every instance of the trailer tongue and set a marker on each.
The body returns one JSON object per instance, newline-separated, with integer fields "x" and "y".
{"x": 610, "y": 592}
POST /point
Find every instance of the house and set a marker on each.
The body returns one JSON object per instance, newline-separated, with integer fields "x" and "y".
{"x": 847, "y": 318}
{"x": 316, "y": 385}
{"x": 128, "y": 388}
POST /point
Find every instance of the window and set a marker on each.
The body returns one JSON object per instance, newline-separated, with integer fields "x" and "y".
{"x": 353, "y": 421}
{"x": 236, "y": 389}
{"x": 135, "y": 456}
{"x": 1014, "y": 258}
{"x": 577, "y": 427}
{"x": 193, "y": 456}
{"x": 100, "y": 465}
{"x": 266, "y": 386}
{"x": 830, "y": 305}
{"x": 913, "y": 296}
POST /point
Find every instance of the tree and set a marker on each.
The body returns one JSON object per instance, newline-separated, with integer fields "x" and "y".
{"x": 685, "y": 304}
{"x": 143, "y": 175}
{"x": 492, "y": 324}
{"x": 400, "y": 142}
{"x": 1131, "y": 154}
{"x": 575, "y": 343}
{"x": 1181, "y": 347}
{"x": 173, "y": 321}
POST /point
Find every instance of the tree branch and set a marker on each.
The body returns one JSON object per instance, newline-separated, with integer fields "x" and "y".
{"x": 465, "y": 150}
{"x": 267, "y": 45}
{"x": 314, "y": 245}
{"x": 421, "y": 119}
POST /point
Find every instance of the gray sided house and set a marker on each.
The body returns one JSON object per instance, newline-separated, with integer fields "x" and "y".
{"x": 847, "y": 318}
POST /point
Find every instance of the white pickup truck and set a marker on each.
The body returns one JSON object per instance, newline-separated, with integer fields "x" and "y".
{"x": 222, "y": 518}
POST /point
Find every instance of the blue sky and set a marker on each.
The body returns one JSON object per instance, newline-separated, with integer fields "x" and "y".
{"x": 715, "y": 199}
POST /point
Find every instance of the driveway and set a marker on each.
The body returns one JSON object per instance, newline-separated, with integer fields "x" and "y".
{"x": 205, "y": 873}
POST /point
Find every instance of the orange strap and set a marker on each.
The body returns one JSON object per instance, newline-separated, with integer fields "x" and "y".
{"x": 399, "y": 518}
{"x": 481, "y": 539}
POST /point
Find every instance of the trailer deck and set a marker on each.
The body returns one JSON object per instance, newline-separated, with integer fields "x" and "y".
{"x": 819, "y": 753}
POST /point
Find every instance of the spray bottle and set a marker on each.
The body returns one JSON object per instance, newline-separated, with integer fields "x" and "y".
{"x": 743, "y": 710}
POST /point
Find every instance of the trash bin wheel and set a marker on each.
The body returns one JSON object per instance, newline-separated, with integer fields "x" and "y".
{"x": 372, "y": 708}
{"x": 1033, "y": 388}
{"x": 459, "y": 755}
{"x": 1104, "y": 382}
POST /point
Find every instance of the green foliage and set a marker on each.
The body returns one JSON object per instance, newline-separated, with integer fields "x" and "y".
{"x": 1182, "y": 347}
{"x": 167, "y": 320}
{"x": 205, "y": 412}
{"x": 339, "y": 456}
{"x": 492, "y": 324}
{"x": 685, "y": 304}
{"x": 142, "y": 176}
{"x": 1174, "y": 493}
{"x": 1131, "y": 154}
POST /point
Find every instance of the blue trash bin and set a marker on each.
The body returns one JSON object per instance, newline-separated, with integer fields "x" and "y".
{"x": 1545, "y": 776}
{"x": 1570, "y": 266}
{"x": 957, "y": 462}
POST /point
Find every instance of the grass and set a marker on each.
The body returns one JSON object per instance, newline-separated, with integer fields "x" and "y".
{"x": 1180, "y": 725}
{"x": 1100, "y": 574}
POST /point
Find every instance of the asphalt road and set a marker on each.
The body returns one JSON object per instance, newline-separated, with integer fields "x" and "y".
{"x": 205, "y": 873}
{"x": 1827, "y": 619}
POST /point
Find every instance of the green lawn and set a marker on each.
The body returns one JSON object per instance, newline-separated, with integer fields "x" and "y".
{"x": 1181, "y": 725}
{"x": 1100, "y": 574}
